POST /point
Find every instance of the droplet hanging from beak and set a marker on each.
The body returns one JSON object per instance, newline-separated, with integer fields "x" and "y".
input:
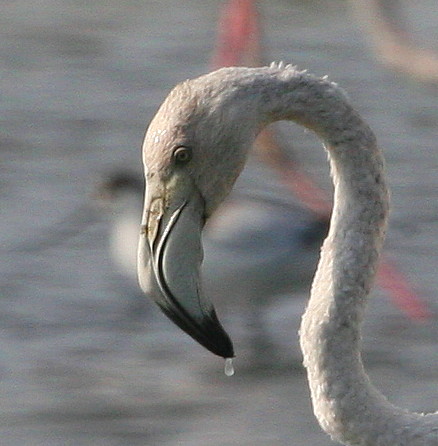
{"x": 229, "y": 369}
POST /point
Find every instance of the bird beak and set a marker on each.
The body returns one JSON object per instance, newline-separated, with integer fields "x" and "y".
{"x": 169, "y": 260}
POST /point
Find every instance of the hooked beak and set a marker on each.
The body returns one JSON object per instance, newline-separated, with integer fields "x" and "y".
{"x": 169, "y": 259}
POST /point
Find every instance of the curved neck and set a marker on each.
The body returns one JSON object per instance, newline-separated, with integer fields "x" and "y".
{"x": 347, "y": 406}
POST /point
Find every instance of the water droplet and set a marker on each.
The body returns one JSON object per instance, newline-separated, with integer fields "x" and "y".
{"x": 229, "y": 369}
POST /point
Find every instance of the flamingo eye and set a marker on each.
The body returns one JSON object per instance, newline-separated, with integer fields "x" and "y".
{"x": 182, "y": 155}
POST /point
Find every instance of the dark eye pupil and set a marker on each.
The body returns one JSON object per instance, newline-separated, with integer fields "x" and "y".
{"x": 182, "y": 155}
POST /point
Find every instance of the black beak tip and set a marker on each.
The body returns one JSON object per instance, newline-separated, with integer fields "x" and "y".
{"x": 217, "y": 340}
{"x": 208, "y": 332}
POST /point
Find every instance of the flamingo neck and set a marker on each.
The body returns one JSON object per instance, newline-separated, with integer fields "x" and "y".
{"x": 346, "y": 404}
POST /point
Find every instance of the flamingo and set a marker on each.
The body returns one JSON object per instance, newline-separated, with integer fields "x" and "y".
{"x": 194, "y": 149}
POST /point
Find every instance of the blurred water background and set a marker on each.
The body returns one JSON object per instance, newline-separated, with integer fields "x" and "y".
{"x": 85, "y": 360}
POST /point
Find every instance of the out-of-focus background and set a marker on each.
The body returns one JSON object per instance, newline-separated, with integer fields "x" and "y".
{"x": 85, "y": 359}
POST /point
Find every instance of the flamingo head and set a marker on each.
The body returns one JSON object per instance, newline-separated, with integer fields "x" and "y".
{"x": 194, "y": 149}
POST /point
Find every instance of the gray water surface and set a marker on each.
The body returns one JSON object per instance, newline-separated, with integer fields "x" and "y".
{"x": 85, "y": 360}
